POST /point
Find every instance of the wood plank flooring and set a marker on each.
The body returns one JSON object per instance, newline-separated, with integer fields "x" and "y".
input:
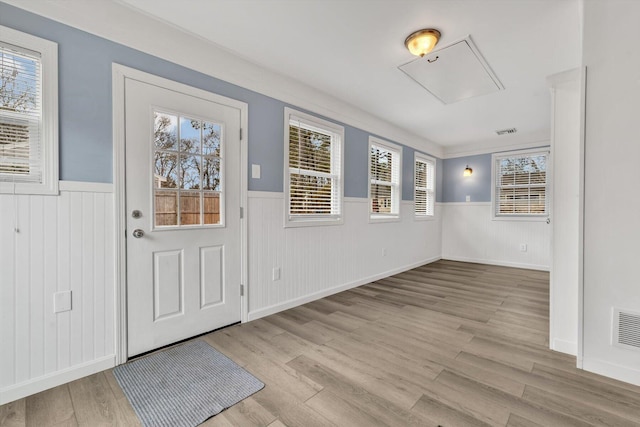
{"x": 446, "y": 344}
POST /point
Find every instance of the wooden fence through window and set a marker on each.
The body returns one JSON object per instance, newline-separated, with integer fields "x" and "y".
{"x": 167, "y": 208}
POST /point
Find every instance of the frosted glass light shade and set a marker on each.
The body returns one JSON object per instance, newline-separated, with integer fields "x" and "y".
{"x": 422, "y": 42}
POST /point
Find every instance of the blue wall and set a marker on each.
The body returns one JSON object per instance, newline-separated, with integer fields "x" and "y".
{"x": 439, "y": 180}
{"x": 85, "y": 110}
{"x": 456, "y": 187}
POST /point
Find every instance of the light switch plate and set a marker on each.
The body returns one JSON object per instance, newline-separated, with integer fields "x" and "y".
{"x": 255, "y": 171}
{"x": 61, "y": 301}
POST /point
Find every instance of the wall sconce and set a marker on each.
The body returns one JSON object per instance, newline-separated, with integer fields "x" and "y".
{"x": 467, "y": 171}
{"x": 422, "y": 42}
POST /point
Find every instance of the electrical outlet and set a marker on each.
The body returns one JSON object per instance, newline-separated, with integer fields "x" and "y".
{"x": 276, "y": 274}
{"x": 384, "y": 251}
{"x": 523, "y": 247}
{"x": 468, "y": 198}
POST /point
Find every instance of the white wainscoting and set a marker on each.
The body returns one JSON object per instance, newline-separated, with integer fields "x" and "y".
{"x": 319, "y": 261}
{"x": 63, "y": 243}
{"x": 469, "y": 234}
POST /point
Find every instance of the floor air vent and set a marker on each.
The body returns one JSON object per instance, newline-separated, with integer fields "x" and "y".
{"x": 626, "y": 329}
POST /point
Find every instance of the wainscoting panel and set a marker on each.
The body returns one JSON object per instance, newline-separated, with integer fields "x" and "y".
{"x": 52, "y": 244}
{"x": 469, "y": 234}
{"x": 318, "y": 261}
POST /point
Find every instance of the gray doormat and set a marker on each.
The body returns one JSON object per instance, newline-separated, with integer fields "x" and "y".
{"x": 184, "y": 385}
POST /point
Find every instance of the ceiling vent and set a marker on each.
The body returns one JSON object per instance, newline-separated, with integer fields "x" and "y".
{"x": 507, "y": 131}
{"x": 626, "y": 329}
{"x": 454, "y": 72}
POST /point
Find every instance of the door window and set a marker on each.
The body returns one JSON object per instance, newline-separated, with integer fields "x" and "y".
{"x": 188, "y": 185}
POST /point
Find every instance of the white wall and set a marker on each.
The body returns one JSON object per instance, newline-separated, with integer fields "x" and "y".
{"x": 470, "y": 234}
{"x": 319, "y": 261}
{"x": 67, "y": 243}
{"x": 566, "y": 209}
{"x": 64, "y": 243}
{"x": 612, "y": 205}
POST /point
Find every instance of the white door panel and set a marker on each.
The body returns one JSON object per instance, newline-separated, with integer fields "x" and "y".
{"x": 183, "y": 175}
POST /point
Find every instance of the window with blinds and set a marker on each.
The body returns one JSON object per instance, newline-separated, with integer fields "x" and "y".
{"x": 314, "y": 170}
{"x": 424, "y": 186}
{"x": 384, "y": 177}
{"x": 521, "y": 184}
{"x": 27, "y": 163}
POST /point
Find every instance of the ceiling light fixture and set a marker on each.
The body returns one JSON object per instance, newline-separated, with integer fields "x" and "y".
{"x": 422, "y": 42}
{"x": 467, "y": 171}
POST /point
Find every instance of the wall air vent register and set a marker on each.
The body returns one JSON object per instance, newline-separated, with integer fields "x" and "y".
{"x": 626, "y": 329}
{"x": 507, "y": 131}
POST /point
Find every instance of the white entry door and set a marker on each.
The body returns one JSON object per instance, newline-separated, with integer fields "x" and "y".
{"x": 183, "y": 215}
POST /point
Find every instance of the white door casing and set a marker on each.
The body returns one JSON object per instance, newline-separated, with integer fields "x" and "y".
{"x": 177, "y": 281}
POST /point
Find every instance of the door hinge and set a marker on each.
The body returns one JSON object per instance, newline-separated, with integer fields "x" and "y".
{"x": 240, "y": 134}
{"x": 241, "y": 212}
{"x": 241, "y": 290}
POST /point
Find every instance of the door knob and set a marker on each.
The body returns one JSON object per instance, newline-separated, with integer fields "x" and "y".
{"x": 137, "y": 233}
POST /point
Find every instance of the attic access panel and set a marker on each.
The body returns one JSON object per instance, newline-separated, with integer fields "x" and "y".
{"x": 453, "y": 73}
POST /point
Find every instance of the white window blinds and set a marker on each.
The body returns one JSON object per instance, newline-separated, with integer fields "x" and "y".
{"x": 521, "y": 185}
{"x": 314, "y": 170}
{"x": 20, "y": 115}
{"x": 424, "y": 181}
{"x": 384, "y": 172}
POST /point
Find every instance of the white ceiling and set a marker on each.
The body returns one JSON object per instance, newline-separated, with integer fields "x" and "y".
{"x": 351, "y": 49}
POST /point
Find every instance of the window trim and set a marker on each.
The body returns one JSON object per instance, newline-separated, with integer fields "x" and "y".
{"x": 417, "y": 156}
{"x": 548, "y": 187}
{"x": 397, "y": 195}
{"x": 48, "y": 51}
{"x": 330, "y": 127}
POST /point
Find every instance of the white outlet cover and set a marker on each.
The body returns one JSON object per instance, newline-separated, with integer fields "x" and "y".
{"x": 468, "y": 198}
{"x": 61, "y": 301}
{"x": 255, "y": 171}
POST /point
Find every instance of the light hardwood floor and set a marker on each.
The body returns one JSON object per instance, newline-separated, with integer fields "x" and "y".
{"x": 449, "y": 344}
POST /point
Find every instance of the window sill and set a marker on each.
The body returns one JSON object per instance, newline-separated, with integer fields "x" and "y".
{"x": 28, "y": 188}
{"x": 424, "y": 217}
{"x": 312, "y": 222}
{"x": 384, "y": 218}
{"x": 523, "y": 218}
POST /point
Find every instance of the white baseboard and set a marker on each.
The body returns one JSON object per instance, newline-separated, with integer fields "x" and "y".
{"x": 45, "y": 382}
{"x": 276, "y": 308}
{"x": 621, "y": 373}
{"x": 497, "y": 262}
{"x": 563, "y": 346}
